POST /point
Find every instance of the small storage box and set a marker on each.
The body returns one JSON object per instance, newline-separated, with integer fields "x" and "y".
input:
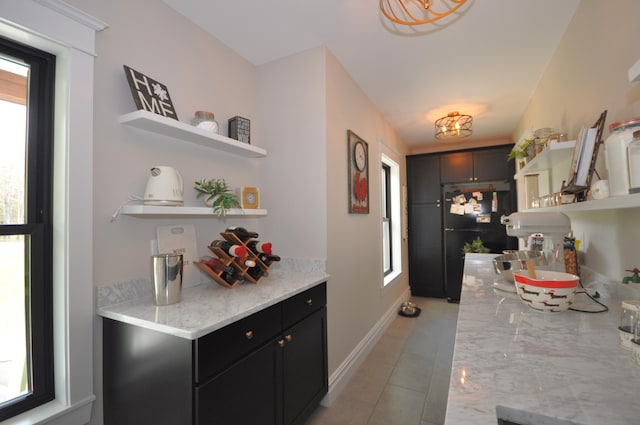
{"x": 240, "y": 129}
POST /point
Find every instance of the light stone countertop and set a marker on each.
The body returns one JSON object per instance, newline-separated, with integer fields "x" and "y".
{"x": 208, "y": 306}
{"x": 542, "y": 368}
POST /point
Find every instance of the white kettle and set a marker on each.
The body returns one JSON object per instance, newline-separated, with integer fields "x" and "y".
{"x": 164, "y": 187}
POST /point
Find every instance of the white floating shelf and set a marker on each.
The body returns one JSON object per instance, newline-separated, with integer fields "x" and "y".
{"x": 151, "y": 210}
{"x": 612, "y": 203}
{"x": 553, "y": 154}
{"x": 158, "y": 124}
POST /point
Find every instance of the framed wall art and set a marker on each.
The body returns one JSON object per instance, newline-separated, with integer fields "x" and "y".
{"x": 358, "y": 174}
{"x": 150, "y": 95}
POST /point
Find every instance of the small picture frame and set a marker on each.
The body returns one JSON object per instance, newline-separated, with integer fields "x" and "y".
{"x": 150, "y": 95}
{"x": 250, "y": 197}
{"x": 358, "y": 159}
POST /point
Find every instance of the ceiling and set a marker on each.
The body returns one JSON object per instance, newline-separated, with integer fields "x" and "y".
{"x": 485, "y": 60}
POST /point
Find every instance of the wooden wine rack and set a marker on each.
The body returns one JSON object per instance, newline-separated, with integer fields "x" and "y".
{"x": 237, "y": 263}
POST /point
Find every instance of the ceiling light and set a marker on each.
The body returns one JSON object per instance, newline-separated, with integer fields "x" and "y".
{"x": 454, "y": 126}
{"x": 417, "y": 12}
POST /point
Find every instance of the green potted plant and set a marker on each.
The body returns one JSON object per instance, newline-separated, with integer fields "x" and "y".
{"x": 516, "y": 153}
{"x": 475, "y": 247}
{"x": 217, "y": 194}
{"x": 521, "y": 152}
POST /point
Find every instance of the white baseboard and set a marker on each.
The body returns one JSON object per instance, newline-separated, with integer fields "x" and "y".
{"x": 339, "y": 379}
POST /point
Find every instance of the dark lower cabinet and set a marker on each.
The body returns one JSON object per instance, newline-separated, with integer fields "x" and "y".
{"x": 267, "y": 369}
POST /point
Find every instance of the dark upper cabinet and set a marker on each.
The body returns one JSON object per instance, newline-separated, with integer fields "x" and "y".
{"x": 456, "y": 167}
{"x": 423, "y": 174}
{"x": 478, "y": 165}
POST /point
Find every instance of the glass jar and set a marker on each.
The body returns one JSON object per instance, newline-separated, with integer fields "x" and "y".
{"x": 629, "y": 316}
{"x": 633, "y": 157}
{"x": 635, "y": 344}
{"x": 620, "y": 135}
{"x": 206, "y": 121}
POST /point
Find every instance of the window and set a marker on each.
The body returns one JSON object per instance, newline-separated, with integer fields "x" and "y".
{"x": 387, "y": 249}
{"x": 391, "y": 232}
{"x": 26, "y": 309}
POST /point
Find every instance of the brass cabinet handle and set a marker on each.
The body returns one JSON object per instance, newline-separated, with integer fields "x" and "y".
{"x": 249, "y": 334}
{"x": 288, "y": 338}
{"x": 310, "y": 301}
{"x": 281, "y": 342}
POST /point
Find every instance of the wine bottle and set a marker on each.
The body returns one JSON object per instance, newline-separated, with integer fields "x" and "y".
{"x": 268, "y": 259}
{"x": 230, "y": 277}
{"x": 249, "y": 263}
{"x": 258, "y": 247}
{"x": 218, "y": 266}
{"x": 232, "y": 250}
{"x": 242, "y": 233}
{"x": 227, "y": 273}
{"x": 255, "y": 272}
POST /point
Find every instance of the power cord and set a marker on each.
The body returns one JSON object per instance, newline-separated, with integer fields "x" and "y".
{"x": 593, "y": 298}
{"x": 131, "y": 198}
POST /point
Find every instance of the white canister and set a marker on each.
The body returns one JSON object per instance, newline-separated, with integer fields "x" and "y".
{"x": 620, "y": 135}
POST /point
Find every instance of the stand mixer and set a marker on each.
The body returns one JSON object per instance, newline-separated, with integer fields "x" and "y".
{"x": 554, "y": 226}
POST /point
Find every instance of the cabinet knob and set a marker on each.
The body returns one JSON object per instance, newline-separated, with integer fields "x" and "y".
{"x": 310, "y": 301}
{"x": 248, "y": 334}
{"x": 281, "y": 342}
{"x": 288, "y": 338}
{"x": 470, "y": 179}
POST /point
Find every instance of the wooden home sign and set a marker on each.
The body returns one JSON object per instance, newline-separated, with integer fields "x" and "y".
{"x": 149, "y": 94}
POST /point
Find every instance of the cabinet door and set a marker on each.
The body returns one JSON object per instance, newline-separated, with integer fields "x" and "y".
{"x": 456, "y": 167}
{"x": 304, "y": 364}
{"x": 147, "y": 376}
{"x": 425, "y": 251}
{"x": 423, "y": 177}
{"x": 492, "y": 164}
{"x": 249, "y": 392}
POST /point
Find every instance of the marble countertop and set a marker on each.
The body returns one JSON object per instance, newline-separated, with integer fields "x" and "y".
{"x": 542, "y": 368}
{"x": 206, "y": 307}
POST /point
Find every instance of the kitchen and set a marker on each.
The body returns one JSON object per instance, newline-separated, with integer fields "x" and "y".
{"x": 316, "y": 91}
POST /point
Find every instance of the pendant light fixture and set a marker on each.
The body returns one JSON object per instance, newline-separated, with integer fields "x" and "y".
{"x": 454, "y": 126}
{"x": 418, "y": 12}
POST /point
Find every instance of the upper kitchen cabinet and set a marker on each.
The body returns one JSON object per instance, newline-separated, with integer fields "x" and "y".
{"x": 478, "y": 165}
{"x": 423, "y": 174}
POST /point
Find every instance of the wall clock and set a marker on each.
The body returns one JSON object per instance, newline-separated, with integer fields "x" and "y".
{"x": 358, "y": 154}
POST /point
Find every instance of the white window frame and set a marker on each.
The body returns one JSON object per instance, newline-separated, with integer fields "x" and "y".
{"x": 396, "y": 218}
{"x": 55, "y": 27}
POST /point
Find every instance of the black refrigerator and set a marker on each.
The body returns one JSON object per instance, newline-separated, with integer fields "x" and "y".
{"x": 471, "y": 211}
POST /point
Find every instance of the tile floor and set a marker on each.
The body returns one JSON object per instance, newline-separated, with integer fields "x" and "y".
{"x": 405, "y": 378}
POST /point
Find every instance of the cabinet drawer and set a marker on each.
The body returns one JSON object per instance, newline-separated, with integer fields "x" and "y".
{"x": 221, "y": 348}
{"x": 300, "y": 306}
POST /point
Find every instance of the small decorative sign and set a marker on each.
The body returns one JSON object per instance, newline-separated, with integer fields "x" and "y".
{"x": 250, "y": 197}
{"x": 358, "y": 155}
{"x": 149, "y": 94}
{"x": 240, "y": 129}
